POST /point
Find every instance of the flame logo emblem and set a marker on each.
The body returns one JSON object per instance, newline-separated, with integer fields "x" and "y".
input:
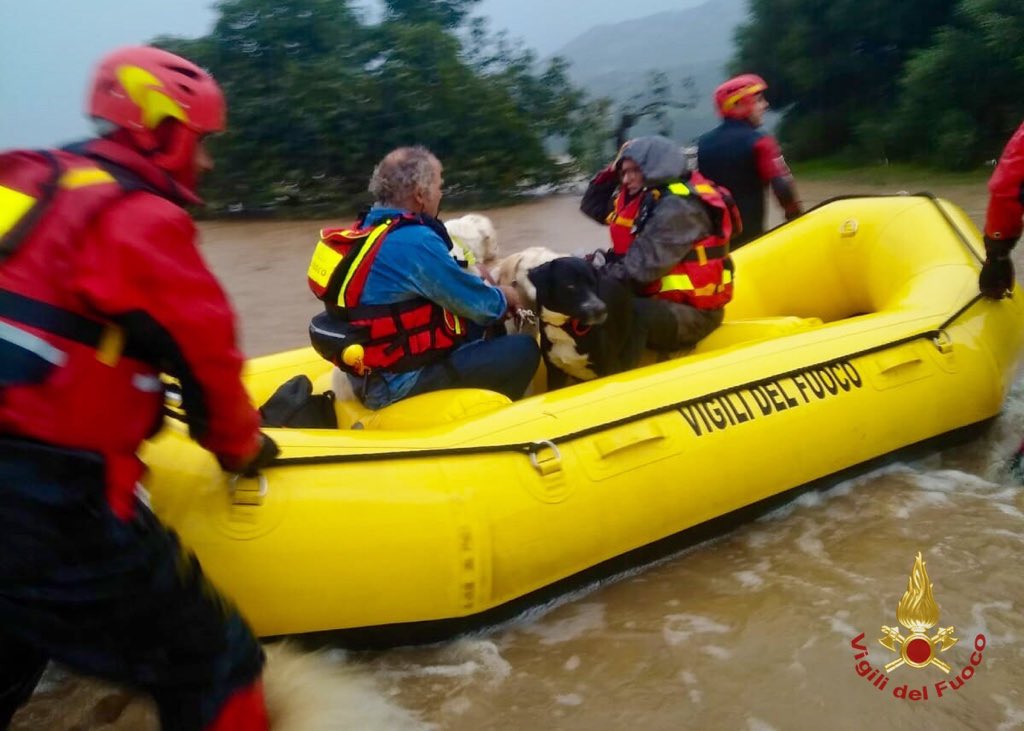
{"x": 918, "y": 612}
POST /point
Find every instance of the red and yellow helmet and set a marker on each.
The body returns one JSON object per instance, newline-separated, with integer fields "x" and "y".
{"x": 735, "y": 97}
{"x": 137, "y": 88}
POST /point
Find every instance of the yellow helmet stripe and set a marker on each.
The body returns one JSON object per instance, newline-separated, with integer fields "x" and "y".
{"x": 735, "y": 99}
{"x": 147, "y": 92}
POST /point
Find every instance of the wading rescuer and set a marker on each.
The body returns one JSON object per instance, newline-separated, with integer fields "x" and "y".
{"x": 1003, "y": 220}
{"x": 102, "y": 288}
{"x": 745, "y": 159}
{"x": 670, "y": 232}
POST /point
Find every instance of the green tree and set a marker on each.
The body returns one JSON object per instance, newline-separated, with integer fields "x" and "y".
{"x": 283, "y": 66}
{"x": 316, "y": 98}
{"x": 447, "y": 13}
{"x": 961, "y": 98}
{"x": 834, "y": 65}
{"x": 591, "y": 135}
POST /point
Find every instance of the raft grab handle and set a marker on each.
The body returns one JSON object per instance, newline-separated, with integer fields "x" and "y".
{"x": 641, "y": 433}
{"x": 548, "y": 466}
{"x": 246, "y": 496}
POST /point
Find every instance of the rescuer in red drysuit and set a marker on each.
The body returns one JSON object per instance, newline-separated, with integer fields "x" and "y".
{"x": 102, "y": 289}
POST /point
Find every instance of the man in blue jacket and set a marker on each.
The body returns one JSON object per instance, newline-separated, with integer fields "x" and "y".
{"x": 405, "y": 283}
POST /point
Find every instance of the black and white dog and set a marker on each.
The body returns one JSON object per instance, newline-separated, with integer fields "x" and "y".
{"x": 586, "y": 321}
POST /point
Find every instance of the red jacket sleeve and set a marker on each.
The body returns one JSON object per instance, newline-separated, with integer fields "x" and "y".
{"x": 772, "y": 169}
{"x": 1006, "y": 192}
{"x": 140, "y": 260}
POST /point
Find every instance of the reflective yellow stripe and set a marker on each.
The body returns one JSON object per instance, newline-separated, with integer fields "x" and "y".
{"x": 467, "y": 253}
{"x": 682, "y": 283}
{"x": 623, "y": 221}
{"x": 678, "y": 189}
{"x": 702, "y": 255}
{"x": 676, "y": 282}
{"x": 81, "y": 177}
{"x": 325, "y": 261}
{"x": 733, "y": 100}
{"x": 453, "y": 322}
{"x": 374, "y": 235}
{"x": 13, "y": 205}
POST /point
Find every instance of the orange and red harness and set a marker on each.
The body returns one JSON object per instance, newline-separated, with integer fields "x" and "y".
{"x": 395, "y": 337}
{"x": 704, "y": 278}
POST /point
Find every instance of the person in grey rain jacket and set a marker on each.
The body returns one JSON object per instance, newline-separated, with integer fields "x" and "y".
{"x": 670, "y": 232}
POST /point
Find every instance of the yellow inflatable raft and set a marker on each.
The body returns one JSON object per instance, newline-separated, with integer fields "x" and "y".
{"x": 856, "y": 331}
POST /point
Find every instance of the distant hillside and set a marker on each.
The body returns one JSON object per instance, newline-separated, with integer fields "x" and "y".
{"x": 614, "y": 60}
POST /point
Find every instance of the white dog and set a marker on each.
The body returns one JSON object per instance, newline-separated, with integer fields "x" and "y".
{"x": 311, "y": 692}
{"x": 474, "y": 233}
{"x": 512, "y": 271}
{"x": 305, "y": 691}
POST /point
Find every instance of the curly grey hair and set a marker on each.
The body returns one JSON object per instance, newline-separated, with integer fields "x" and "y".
{"x": 402, "y": 171}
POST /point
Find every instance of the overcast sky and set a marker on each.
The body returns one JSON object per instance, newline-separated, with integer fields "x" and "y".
{"x": 47, "y": 47}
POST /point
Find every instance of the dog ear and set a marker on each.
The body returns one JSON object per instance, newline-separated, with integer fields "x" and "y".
{"x": 540, "y": 277}
{"x": 539, "y": 274}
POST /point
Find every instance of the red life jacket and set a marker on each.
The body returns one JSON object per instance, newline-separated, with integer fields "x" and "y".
{"x": 704, "y": 278}
{"x": 67, "y": 375}
{"x": 395, "y": 337}
{"x": 620, "y": 220}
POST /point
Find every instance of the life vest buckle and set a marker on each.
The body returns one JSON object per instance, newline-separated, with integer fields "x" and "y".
{"x": 111, "y": 345}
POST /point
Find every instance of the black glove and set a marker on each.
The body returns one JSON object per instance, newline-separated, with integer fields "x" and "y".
{"x": 250, "y": 467}
{"x": 602, "y": 258}
{"x": 996, "y": 279}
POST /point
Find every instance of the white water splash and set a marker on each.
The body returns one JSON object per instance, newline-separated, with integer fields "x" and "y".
{"x": 586, "y": 617}
{"x": 717, "y": 652}
{"x": 678, "y": 628}
{"x": 980, "y": 621}
{"x": 1014, "y": 714}
{"x": 1000, "y": 442}
{"x": 839, "y": 624}
{"x": 309, "y": 692}
{"x": 749, "y": 579}
{"x": 463, "y": 659}
{"x": 456, "y": 706}
{"x": 569, "y": 699}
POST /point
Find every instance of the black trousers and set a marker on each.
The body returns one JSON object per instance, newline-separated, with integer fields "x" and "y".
{"x": 119, "y": 600}
{"x": 667, "y": 326}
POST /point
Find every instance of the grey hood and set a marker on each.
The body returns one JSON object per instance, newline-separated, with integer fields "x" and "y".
{"x": 660, "y": 159}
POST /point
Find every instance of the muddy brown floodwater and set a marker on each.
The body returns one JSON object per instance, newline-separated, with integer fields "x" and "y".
{"x": 754, "y": 631}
